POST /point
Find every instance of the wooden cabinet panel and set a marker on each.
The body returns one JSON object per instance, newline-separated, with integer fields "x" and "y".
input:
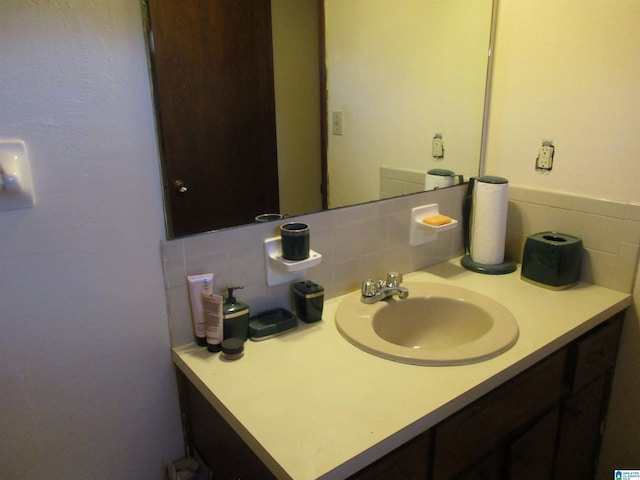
{"x": 596, "y": 352}
{"x": 408, "y": 462}
{"x": 470, "y": 434}
{"x": 489, "y": 468}
{"x": 531, "y": 455}
{"x": 580, "y": 432}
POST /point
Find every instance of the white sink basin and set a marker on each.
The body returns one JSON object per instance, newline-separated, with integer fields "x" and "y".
{"x": 438, "y": 324}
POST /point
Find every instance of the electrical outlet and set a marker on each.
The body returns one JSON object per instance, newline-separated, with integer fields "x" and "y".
{"x": 336, "y": 123}
{"x": 437, "y": 147}
{"x": 545, "y": 157}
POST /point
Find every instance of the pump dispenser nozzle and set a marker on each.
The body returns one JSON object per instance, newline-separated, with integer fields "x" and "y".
{"x": 230, "y": 297}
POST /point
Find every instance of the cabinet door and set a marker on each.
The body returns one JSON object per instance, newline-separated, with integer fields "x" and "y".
{"x": 530, "y": 457}
{"x": 467, "y": 436}
{"x": 489, "y": 468}
{"x": 580, "y": 430}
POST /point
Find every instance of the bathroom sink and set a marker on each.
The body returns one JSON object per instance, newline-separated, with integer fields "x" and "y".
{"x": 438, "y": 324}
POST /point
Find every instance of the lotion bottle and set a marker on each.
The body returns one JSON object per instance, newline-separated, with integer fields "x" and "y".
{"x": 212, "y": 313}
{"x": 236, "y": 316}
{"x": 198, "y": 284}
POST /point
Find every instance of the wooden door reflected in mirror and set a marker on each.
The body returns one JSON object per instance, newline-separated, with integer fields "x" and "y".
{"x": 215, "y": 107}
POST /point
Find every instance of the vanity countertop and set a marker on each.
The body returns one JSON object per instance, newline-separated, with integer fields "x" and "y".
{"x": 311, "y": 405}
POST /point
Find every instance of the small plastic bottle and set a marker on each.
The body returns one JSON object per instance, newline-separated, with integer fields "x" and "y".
{"x": 212, "y": 313}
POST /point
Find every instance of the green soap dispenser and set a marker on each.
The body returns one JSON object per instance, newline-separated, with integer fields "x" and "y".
{"x": 235, "y": 316}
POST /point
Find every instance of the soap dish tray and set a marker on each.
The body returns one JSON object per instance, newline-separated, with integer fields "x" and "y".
{"x": 420, "y": 232}
{"x": 271, "y": 323}
{"x": 436, "y": 228}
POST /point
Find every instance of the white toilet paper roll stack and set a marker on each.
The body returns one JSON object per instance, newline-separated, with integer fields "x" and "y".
{"x": 489, "y": 220}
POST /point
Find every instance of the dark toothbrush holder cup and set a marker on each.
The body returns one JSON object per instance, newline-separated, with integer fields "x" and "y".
{"x": 295, "y": 241}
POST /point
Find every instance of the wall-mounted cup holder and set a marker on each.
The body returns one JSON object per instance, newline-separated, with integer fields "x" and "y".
{"x": 280, "y": 270}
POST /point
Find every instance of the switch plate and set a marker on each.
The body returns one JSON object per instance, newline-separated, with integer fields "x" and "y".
{"x": 336, "y": 123}
{"x": 437, "y": 147}
{"x": 544, "y": 161}
{"x": 16, "y": 190}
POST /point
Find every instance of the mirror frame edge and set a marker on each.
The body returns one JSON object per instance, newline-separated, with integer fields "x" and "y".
{"x": 487, "y": 88}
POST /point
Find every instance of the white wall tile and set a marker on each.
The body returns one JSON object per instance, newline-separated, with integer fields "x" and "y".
{"x": 603, "y": 233}
{"x": 610, "y": 241}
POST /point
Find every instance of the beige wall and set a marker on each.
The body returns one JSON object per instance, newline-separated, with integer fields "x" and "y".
{"x": 297, "y": 90}
{"x": 568, "y": 71}
{"x": 399, "y": 76}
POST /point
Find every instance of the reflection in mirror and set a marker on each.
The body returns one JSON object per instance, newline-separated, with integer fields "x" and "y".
{"x": 395, "y": 78}
{"x": 408, "y": 81}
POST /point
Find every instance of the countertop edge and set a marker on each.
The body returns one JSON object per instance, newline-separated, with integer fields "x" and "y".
{"x": 237, "y": 426}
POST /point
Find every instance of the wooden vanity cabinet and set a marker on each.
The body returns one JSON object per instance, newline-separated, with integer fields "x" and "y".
{"x": 545, "y": 423}
{"x": 214, "y": 440}
{"x": 584, "y": 411}
{"x": 499, "y": 418}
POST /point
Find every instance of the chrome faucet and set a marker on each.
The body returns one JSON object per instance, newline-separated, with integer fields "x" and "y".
{"x": 373, "y": 292}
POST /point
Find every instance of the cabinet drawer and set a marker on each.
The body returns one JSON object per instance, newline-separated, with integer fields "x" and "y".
{"x": 466, "y": 436}
{"x": 596, "y": 352}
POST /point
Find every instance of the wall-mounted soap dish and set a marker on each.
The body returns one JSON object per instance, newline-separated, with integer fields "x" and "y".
{"x": 420, "y": 232}
{"x": 280, "y": 270}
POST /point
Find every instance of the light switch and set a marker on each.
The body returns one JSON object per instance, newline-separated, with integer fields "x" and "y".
{"x": 336, "y": 123}
{"x": 16, "y": 187}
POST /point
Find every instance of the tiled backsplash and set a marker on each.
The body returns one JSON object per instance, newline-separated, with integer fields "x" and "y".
{"x": 368, "y": 240}
{"x": 355, "y": 242}
{"x": 610, "y": 231}
{"x": 398, "y": 181}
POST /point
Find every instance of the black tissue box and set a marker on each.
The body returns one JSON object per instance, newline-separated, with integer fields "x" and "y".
{"x": 309, "y": 300}
{"x": 552, "y": 260}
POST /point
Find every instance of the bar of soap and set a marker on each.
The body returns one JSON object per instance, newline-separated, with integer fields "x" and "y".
{"x": 437, "y": 220}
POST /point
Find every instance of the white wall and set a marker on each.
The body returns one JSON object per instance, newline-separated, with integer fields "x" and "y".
{"x": 568, "y": 71}
{"x": 87, "y": 385}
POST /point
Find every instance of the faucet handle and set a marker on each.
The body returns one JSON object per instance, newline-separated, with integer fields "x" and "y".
{"x": 369, "y": 288}
{"x": 394, "y": 279}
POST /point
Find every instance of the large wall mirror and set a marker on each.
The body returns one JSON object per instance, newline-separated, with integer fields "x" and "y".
{"x": 294, "y": 106}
